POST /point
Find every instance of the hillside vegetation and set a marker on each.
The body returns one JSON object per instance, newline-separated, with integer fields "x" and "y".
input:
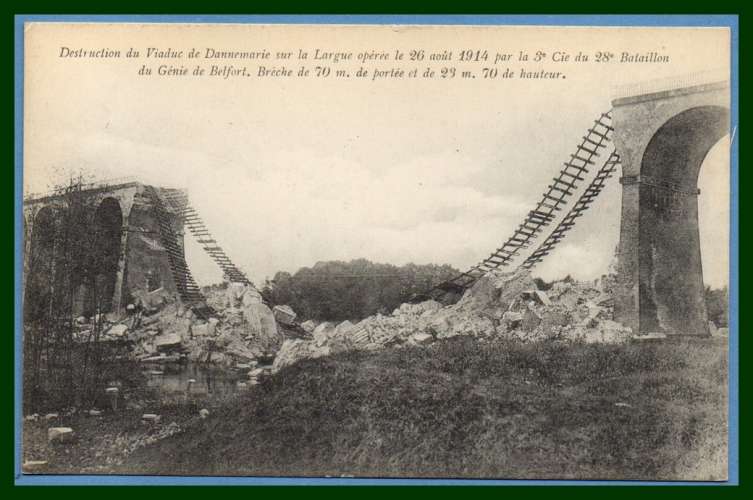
{"x": 464, "y": 408}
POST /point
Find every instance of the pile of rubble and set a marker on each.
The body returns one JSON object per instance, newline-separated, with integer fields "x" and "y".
{"x": 499, "y": 305}
{"x": 244, "y": 329}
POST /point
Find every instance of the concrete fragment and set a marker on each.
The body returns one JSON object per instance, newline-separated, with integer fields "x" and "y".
{"x": 429, "y": 306}
{"x": 251, "y": 296}
{"x": 32, "y": 466}
{"x": 118, "y": 330}
{"x": 496, "y": 289}
{"x": 60, "y": 435}
{"x": 422, "y": 338}
{"x": 51, "y": 416}
{"x": 360, "y": 336}
{"x": 294, "y": 350}
{"x": 167, "y": 341}
{"x": 322, "y": 333}
{"x": 713, "y": 330}
{"x": 151, "y": 418}
{"x": 541, "y": 297}
{"x": 203, "y": 330}
{"x": 343, "y": 329}
{"x": 203, "y": 413}
{"x": 284, "y": 315}
{"x": 512, "y": 319}
{"x": 309, "y": 326}
{"x": 261, "y": 325}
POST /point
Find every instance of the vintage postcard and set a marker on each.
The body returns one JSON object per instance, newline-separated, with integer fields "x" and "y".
{"x": 466, "y": 250}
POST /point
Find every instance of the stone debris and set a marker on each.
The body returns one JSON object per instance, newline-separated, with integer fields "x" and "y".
{"x": 117, "y": 331}
{"x": 51, "y": 416}
{"x": 245, "y": 331}
{"x": 499, "y": 305}
{"x": 204, "y": 413}
{"x": 542, "y": 298}
{"x": 717, "y": 332}
{"x": 284, "y": 315}
{"x": 343, "y": 329}
{"x": 60, "y": 435}
{"x": 150, "y": 418}
{"x": 648, "y": 337}
{"x": 309, "y": 326}
{"x": 167, "y": 341}
{"x": 323, "y": 332}
{"x": 297, "y": 349}
{"x": 203, "y": 330}
{"x": 32, "y": 466}
{"x": 422, "y": 338}
{"x": 360, "y": 335}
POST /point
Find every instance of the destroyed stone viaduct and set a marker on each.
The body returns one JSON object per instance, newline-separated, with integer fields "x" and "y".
{"x": 133, "y": 237}
{"x": 662, "y": 132}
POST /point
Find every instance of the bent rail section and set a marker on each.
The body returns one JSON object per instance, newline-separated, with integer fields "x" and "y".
{"x": 553, "y": 200}
{"x": 178, "y": 199}
{"x": 188, "y": 289}
{"x": 568, "y": 222}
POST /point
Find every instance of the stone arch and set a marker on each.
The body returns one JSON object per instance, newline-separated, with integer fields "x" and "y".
{"x": 676, "y": 150}
{"x": 103, "y": 269}
{"x": 671, "y": 290}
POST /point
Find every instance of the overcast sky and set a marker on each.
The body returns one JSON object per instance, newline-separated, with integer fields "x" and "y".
{"x": 290, "y": 172}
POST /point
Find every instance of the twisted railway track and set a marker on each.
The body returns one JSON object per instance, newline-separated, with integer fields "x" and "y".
{"x": 553, "y": 200}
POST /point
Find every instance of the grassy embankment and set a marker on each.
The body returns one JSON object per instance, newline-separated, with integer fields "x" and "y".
{"x": 461, "y": 408}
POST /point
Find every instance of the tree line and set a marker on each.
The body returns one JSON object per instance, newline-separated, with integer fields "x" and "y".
{"x": 338, "y": 290}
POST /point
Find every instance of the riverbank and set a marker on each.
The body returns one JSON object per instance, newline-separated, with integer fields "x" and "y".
{"x": 464, "y": 408}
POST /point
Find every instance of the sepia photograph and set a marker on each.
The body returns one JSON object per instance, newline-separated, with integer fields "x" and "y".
{"x": 469, "y": 249}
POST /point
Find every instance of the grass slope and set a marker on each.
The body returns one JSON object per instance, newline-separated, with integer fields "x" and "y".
{"x": 467, "y": 409}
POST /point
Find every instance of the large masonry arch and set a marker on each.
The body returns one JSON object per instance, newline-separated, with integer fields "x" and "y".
{"x": 663, "y": 138}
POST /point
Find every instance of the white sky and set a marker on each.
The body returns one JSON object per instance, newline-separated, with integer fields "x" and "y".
{"x": 290, "y": 172}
